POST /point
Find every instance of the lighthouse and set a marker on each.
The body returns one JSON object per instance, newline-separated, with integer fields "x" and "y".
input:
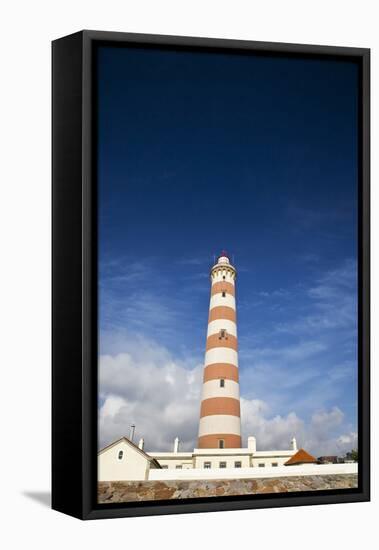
{"x": 219, "y": 440}
{"x": 220, "y": 417}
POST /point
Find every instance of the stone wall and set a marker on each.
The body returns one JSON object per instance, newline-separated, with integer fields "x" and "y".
{"x": 131, "y": 491}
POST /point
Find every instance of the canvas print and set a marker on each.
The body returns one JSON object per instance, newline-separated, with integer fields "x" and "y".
{"x": 227, "y": 273}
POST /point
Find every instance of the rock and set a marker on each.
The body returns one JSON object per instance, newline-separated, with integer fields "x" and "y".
{"x": 134, "y": 491}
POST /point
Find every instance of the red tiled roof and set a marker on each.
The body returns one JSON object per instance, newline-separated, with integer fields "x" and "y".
{"x": 301, "y": 457}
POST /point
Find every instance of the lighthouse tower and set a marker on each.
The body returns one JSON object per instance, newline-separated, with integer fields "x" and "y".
{"x": 220, "y": 418}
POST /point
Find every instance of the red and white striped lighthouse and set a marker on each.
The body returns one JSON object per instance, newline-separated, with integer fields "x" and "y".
{"x": 220, "y": 418}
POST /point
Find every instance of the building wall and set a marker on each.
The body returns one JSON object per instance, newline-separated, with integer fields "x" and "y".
{"x": 199, "y": 457}
{"x": 132, "y": 466}
{"x": 175, "y": 462}
{"x": 268, "y": 461}
{"x": 215, "y": 460}
{"x": 251, "y": 473}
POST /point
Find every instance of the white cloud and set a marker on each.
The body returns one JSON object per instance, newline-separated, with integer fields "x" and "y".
{"x": 334, "y": 303}
{"x": 317, "y": 436}
{"x": 299, "y": 351}
{"x": 348, "y": 441}
{"x": 145, "y": 385}
{"x": 271, "y": 433}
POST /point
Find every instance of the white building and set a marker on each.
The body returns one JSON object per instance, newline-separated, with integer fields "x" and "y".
{"x": 124, "y": 461}
{"x": 239, "y": 457}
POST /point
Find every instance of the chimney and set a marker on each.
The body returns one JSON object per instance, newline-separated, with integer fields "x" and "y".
{"x": 251, "y": 444}
{"x": 293, "y": 444}
{"x": 131, "y": 433}
{"x": 176, "y": 444}
{"x": 141, "y": 443}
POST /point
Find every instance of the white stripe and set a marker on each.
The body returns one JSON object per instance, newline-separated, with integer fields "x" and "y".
{"x": 220, "y": 424}
{"x": 219, "y": 277}
{"x": 214, "y": 327}
{"x": 219, "y": 300}
{"x": 212, "y": 388}
{"x": 221, "y": 355}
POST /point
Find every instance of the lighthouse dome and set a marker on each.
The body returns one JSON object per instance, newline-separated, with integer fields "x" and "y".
{"x": 223, "y": 259}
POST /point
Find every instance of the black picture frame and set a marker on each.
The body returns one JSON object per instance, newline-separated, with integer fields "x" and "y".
{"x": 74, "y": 294}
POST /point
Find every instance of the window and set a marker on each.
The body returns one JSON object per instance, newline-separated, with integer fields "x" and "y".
{"x": 221, "y": 443}
{"x": 261, "y": 465}
{"x": 178, "y": 467}
{"x": 222, "y": 383}
{"x": 223, "y": 277}
{"x": 164, "y": 466}
{"x": 223, "y": 293}
{"x": 222, "y": 464}
{"x": 274, "y": 464}
{"x": 120, "y": 455}
{"x": 223, "y": 334}
{"x": 238, "y": 464}
{"x": 207, "y": 465}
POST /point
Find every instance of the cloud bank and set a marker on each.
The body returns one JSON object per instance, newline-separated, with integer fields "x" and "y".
{"x": 143, "y": 384}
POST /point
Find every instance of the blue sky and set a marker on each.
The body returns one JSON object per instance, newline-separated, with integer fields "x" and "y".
{"x": 256, "y": 155}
